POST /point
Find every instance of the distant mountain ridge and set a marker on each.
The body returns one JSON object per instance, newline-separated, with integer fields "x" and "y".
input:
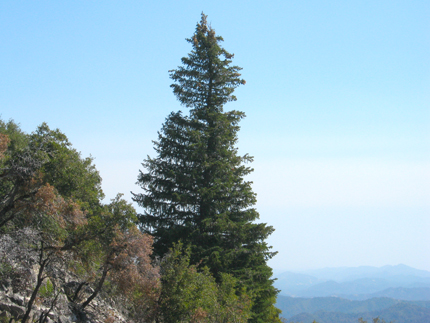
{"x": 400, "y": 293}
{"x": 401, "y": 281}
{"x": 334, "y": 309}
{"x": 343, "y": 295}
{"x": 353, "y": 273}
{"x": 400, "y": 313}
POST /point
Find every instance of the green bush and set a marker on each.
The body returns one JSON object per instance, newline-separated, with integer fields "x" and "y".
{"x": 5, "y": 269}
{"x": 47, "y": 289}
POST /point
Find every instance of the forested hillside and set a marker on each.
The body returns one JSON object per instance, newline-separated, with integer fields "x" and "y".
{"x": 359, "y": 283}
{"x": 401, "y": 313}
{"x": 348, "y": 293}
{"x": 335, "y": 309}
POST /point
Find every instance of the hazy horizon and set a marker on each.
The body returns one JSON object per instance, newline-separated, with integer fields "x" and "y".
{"x": 278, "y": 271}
{"x": 337, "y": 102}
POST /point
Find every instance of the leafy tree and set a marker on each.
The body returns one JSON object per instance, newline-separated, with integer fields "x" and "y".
{"x": 52, "y": 220}
{"x": 135, "y": 278}
{"x": 28, "y": 162}
{"x": 195, "y": 191}
{"x": 18, "y": 139}
{"x": 73, "y": 176}
{"x": 19, "y": 167}
{"x": 112, "y": 244}
{"x": 231, "y": 307}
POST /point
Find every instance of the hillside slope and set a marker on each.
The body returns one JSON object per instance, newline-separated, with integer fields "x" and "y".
{"x": 334, "y": 309}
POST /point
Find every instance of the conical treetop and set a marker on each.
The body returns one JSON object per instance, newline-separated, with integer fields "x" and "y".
{"x": 205, "y": 81}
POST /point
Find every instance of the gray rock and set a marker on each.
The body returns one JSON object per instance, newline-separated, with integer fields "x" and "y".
{"x": 15, "y": 310}
{"x": 19, "y": 300}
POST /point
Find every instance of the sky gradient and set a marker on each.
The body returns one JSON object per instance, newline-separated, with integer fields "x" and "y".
{"x": 337, "y": 102}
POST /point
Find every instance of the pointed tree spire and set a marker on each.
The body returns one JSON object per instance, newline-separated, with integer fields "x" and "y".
{"x": 206, "y": 80}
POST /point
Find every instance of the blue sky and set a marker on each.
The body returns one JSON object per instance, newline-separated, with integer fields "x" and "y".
{"x": 337, "y": 102}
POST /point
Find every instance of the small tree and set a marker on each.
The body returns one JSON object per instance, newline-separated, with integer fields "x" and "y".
{"x": 113, "y": 249}
{"x": 134, "y": 276}
{"x": 52, "y": 221}
{"x": 192, "y": 295}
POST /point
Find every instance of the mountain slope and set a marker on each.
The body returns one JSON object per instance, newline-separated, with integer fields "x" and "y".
{"x": 401, "y": 293}
{"x": 399, "y": 313}
{"x": 292, "y": 306}
{"x": 334, "y": 309}
{"x": 359, "y": 283}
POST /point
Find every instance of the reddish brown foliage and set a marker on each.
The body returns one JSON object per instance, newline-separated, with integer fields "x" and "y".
{"x": 4, "y": 142}
{"x": 137, "y": 279}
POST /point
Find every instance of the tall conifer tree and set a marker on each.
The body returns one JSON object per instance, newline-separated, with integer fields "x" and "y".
{"x": 194, "y": 190}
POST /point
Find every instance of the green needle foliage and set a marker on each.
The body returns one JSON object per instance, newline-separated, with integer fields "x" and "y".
{"x": 189, "y": 295}
{"x": 195, "y": 191}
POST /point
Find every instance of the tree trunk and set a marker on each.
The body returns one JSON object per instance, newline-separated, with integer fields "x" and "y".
{"x": 40, "y": 278}
{"x": 98, "y": 288}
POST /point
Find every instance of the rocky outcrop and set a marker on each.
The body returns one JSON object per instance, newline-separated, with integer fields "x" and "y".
{"x": 61, "y": 310}
{"x": 59, "y": 298}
